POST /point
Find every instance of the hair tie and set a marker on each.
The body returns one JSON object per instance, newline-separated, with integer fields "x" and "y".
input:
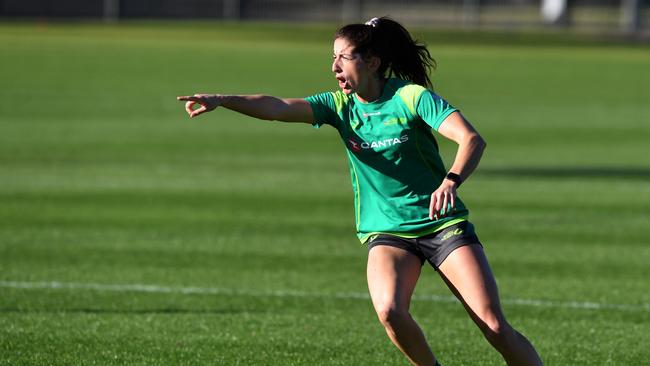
{"x": 373, "y": 22}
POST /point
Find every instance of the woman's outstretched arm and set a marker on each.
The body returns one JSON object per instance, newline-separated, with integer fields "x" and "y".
{"x": 258, "y": 106}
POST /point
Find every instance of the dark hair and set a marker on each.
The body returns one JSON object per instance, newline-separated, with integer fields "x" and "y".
{"x": 400, "y": 54}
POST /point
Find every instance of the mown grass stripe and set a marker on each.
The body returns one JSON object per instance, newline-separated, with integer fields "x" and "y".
{"x": 580, "y": 305}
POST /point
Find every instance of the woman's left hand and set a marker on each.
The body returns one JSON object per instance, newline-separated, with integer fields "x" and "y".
{"x": 207, "y": 103}
{"x": 443, "y": 200}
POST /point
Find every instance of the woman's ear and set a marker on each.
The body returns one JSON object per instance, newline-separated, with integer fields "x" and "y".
{"x": 373, "y": 63}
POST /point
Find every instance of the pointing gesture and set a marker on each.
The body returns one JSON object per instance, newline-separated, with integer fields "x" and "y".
{"x": 206, "y": 102}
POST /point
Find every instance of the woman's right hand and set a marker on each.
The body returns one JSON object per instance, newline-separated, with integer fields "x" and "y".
{"x": 207, "y": 102}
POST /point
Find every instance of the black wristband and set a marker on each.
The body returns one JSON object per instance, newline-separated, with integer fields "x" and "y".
{"x": 454, "y": 178}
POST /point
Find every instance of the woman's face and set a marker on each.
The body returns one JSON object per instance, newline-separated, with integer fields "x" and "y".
{"x": 350, "y": 69}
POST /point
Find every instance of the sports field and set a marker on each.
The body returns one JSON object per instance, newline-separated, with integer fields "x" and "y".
{"x": 131, "y": 235}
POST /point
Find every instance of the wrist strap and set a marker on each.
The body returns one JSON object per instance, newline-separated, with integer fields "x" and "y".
{"x": 454, "y": 178}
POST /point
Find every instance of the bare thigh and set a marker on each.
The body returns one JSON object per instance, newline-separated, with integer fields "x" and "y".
{"x": 392, "y": 276}
{"x": 467, "y": 273}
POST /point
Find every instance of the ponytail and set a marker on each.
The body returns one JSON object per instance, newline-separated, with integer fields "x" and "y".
{"x": 400, "y": 55}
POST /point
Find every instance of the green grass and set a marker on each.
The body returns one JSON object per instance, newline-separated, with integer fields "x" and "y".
{"x": 104, "y": 181}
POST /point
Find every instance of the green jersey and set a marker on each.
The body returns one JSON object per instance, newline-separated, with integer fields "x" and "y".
{"x": 393, "y": 156}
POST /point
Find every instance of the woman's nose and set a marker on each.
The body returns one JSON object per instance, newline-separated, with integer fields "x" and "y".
{"x": 335, "y": 66}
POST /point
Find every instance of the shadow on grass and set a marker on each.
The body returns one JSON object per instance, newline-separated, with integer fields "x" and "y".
{"x": 638, "y": 173}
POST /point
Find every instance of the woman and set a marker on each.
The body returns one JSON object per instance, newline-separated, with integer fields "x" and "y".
{"x": 407, "y": 209}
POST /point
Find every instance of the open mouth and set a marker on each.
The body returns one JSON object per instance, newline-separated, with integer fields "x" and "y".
{"x": 343, "y": 83}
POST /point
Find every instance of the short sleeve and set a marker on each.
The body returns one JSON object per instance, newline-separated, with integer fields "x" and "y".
{"x": 433, "y": 109}
{"x": 324, "y": 108}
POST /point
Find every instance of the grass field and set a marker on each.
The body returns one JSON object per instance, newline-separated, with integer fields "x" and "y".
{"x": 130, "y": 235}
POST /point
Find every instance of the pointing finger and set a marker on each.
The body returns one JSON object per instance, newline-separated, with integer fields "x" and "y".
{"x": 193, "y": 98}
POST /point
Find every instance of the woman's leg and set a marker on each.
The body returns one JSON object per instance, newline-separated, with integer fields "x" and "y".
{"x": 392, "y": 275}
{"x": 467, "y": 273}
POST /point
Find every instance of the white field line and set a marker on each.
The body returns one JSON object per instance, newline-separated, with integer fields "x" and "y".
{"x": 581, "y": 305}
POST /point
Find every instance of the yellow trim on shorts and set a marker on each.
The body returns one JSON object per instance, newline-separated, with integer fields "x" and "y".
{"x": 418, "y": 234}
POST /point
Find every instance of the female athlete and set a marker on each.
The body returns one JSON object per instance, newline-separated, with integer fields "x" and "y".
{"x": 406, "y": 206}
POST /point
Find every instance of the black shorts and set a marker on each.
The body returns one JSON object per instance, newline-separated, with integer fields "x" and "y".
{"x": 434, "y": 247}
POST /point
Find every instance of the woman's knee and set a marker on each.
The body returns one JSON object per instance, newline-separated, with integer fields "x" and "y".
{"x": 496, "y": 330}
{"x": 392, "y": 317}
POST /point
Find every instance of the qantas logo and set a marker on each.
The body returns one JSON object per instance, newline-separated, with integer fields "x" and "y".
{"x": 354, "y": 145}
{"x": 365, "y": 145}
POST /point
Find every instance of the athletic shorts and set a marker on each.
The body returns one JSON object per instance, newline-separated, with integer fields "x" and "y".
{"x": 433, "y": 248}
